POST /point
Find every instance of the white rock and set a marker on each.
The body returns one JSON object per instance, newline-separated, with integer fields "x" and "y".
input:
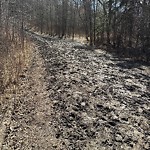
{"x": 83, "y": 104}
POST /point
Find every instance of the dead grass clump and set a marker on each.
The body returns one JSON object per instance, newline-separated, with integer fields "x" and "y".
{"x": 13, "y": 59}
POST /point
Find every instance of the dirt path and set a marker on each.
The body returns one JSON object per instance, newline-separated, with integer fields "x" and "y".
{"x": 29, "y": 126}
{"x": 77, "y": 99}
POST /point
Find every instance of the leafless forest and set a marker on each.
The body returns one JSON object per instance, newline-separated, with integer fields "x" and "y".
{"x": 74, "y": 74}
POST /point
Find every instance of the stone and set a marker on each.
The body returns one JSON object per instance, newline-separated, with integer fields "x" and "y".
{"x": 118, "y": 138}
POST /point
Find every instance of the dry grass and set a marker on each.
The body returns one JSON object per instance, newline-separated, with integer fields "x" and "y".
{"x": 80, "y": 39}
{"x": 13, "y": 61}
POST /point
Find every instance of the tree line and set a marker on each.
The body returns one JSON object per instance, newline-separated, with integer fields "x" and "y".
{"x": 119, "y": 24}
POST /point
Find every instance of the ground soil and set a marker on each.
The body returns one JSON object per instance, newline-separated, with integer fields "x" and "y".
{"x": 76, "y": 98}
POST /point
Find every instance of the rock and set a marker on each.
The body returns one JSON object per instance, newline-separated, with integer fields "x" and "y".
{"x": 83, "y": 104}
{"x": 118, "y": 138}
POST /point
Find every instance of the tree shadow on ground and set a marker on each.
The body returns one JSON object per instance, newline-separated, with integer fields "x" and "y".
{"x": 129, "y": 57}
{"x": 129, "y": 64}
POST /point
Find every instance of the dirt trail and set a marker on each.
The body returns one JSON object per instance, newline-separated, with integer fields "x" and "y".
{"x": 29, "y": 126}
{"x": 77, "y": 99}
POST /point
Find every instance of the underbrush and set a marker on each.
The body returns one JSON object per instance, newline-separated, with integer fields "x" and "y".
{"x": 135, "y": 54}
{"x": 14, "y": 58}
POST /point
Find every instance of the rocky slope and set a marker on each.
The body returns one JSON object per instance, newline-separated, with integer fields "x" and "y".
{"x": 80, "y": 99}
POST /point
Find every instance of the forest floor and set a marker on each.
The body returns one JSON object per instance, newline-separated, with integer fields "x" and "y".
{"x": 71, "y": 98}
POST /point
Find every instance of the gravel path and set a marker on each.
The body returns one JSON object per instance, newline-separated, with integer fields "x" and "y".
{"x": 77, "y": 99}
